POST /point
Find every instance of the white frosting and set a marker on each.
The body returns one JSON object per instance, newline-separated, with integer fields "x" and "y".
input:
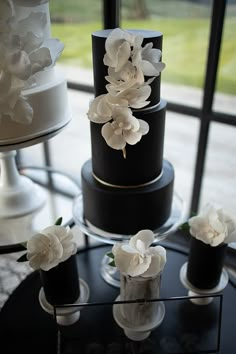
{"x": 51, "y": 112}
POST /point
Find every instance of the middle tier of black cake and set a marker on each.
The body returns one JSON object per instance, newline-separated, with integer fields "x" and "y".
{"x": 125, "y": 195}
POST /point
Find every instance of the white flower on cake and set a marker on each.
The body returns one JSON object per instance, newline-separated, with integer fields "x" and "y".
{"x": 129, "y": 76}
{"x": 137, "y": 258}
{"x": 148, "y": 59}
{"x": 118, "y": 48}
{"x": 213, "y": 226}
{"x": 125, "y": 128}
{"x": 100, "y": 110}
{"x": 128, "y": 64}
{"x": 131, "y": 97}
{"x": 23, "y": 53}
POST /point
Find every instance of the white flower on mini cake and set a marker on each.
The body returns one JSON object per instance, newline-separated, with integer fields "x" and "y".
{"x": 49, "y": 247}
{"x": 213, "y": 226}
{"x": 137, "y": 258}
{"x": 23, "y": 53}
{"x": 128, "y": 64}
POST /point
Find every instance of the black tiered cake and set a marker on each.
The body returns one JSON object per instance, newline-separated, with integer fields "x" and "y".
{"x": 124, "y": 193}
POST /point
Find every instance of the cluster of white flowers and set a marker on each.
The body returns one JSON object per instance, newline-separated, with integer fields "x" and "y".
{"x": 213, "y": 226}
{"x": 23, "y": 53}
{"x": 128, "y": 64}
{"x": 137, "y": 258}
{"x": 50, "y": 247}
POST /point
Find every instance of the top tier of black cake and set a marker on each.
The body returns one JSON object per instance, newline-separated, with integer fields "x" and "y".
{"x": 100, "y": 70}
{"x": 144, "y": 160}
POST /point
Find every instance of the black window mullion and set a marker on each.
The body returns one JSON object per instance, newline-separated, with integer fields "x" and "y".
{"x": 217, "y": 23}
{"x": 111, "y": 14}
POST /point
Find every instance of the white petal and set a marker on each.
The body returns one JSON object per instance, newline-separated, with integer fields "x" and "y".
{"x": 132, "y": 138}
{"x": 122, "y": 259}
{"x": 143, "y": 127}
{"x": 147, "y": 236}
{"x": 55, "y": 47}
{"x": 99, "y": 103}
{"x": 123, "y": 55}
{"x": 23, "y": 112}
{"x": 148, "y": 68}
{"x": 36, "y": 21}
{"x": 116, "y": 142}
{"x": 40, "y": 59}
{"x": 18, "y": 64}
{"x": 135, "y": 269}
{"x": 30, "y": 42}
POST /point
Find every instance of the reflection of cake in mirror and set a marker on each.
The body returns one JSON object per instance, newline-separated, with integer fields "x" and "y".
{"x": 33, "y": 93}
{"x": 127, "y": 185}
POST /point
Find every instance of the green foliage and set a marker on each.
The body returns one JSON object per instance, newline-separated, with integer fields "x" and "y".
{"x": 111, "y": 255}
{"x": 22, "y": 258}
{"x": 58, "y": 221}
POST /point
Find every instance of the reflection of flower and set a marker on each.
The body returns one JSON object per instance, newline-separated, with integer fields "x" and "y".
{"x": 213, "y": 226}
{"x": 48, "y": 248}
{"x": 23, "y": 53}
{"x": 125, "y": 128}
{"x": 128, "y": 64}
{"x": 138, "y": 259}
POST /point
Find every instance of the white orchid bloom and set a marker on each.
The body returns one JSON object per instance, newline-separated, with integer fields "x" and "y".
{"x": 125, "y": 129}
{"x": 118, "y": 48}
{"x": 132, "y": 97}
{"x": 50, "y": 247}
{"x": 148, "y": 59}
{"x": 100, "y": 110}
{"x": 213, "y": 226}
{"x": 137, "y": 258}
{"x": 128, "y": 77}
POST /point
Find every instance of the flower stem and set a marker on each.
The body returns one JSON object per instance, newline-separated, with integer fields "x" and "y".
{"x": 124, "y": 152}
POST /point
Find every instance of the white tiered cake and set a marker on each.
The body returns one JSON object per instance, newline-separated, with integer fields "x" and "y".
{"x": 33, "y": 93}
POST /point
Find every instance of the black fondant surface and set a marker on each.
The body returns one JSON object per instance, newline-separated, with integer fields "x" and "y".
{"x": 143, "y": 161}
{"x": 100, "y": 70}
{"x": 205, "y": 264}
{"x": 61, "y": 284}
{"x": 127, "y": 210}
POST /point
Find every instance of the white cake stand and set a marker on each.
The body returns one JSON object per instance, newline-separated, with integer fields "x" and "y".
{"x": 67, "y": 315}
{"x": 110, "y": 273}
{"x": 20, "y": 197}
{"x": 193, "y": 291}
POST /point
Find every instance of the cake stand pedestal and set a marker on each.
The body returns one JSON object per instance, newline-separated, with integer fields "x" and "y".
{"x": 110, "y": 273}
{"x": 66, "y": 315}
{"x": 203, "y": 296}
{"x": 20, "y": 197}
